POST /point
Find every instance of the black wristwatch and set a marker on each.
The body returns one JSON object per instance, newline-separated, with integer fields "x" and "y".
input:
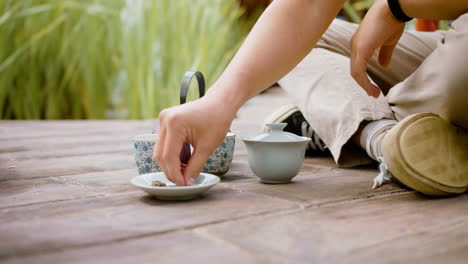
{"x": 397, "y": 12}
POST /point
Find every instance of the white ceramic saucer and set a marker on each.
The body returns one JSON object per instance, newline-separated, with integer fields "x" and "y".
{"x": 171, "y": 191}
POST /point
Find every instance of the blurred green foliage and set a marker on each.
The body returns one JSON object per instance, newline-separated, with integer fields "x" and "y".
{"x": 100, "y": 58}
{"x": 56, "y": 58}
{"x": 164, "y": 39}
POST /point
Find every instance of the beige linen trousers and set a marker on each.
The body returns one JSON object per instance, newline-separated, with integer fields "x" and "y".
{"x": 428, "y": 73}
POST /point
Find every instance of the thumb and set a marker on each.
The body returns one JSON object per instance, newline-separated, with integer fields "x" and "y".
{"x": 195, "y": 165}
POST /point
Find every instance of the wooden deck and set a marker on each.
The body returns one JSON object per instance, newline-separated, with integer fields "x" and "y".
{"x": 65, "y": 197}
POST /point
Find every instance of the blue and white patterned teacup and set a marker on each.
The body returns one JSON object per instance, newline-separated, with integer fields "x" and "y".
{"x": 218, "y": 163}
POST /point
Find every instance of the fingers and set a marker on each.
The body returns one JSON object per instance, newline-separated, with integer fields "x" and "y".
{"x": 182, "y": 167}
{"x": 167, "y": 149}
{"x": 385, "y": 55}
{"x": 158, "y": 148}
{"x": 361, "y": 53}
{"x": 195, "y": 165}
{"x": 359, "y": 60}
{"x": 171, "y": 157}
{"x": 188, "y": 123}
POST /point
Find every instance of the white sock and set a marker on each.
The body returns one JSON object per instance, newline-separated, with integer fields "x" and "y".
{"x": 372, "y": 136}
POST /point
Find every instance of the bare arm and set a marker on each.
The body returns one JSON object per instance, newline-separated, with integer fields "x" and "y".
{"x": 282, "y": 37}
{"x": 434, "y": 9}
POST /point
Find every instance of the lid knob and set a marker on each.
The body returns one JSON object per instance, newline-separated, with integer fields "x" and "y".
{"x": 276, "y": 128}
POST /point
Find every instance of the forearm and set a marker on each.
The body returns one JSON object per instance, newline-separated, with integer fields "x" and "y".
{"x": 434, "y": 9}
{"x": 281, "y": 38}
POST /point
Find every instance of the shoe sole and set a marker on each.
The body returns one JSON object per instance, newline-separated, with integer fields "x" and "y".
{"x": 428, "y": 154}
{"x": 279, "y": 116}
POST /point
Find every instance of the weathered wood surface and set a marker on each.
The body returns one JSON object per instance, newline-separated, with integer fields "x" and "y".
{"x": 65, "y": 197}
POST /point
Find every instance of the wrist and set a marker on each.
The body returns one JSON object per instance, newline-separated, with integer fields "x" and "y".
{"x": 386, "y": 13}
{"x": 397, "y": 12}
{"x": 224, "y": 99}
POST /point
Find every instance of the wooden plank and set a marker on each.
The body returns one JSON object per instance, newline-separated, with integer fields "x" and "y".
{"x": 78, "y": 149}
{"x": 30, "y": 191}
{"x": 67, "y": 141}
{"x": 37, "y": 168}
{"x": 178, "y": 247}
{"x": 74, "y": 161}
{"x": 319, "y": 162}
{"x": 448, "y": 244}
{"x": 27, "y": 148}
{"x": 317, "y": 185}
{"x": 332, "y": 233}
{"x": 11, "y": 130}
{"x": 344, "y": 233}
{"x": 56, "y": 226}
{"x": 35, "y": 191}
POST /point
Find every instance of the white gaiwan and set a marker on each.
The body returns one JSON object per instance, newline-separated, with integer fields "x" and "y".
{"x": 276, "y": 156}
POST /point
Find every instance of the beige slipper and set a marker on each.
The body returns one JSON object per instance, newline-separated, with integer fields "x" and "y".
{"x": 428, "y": 154}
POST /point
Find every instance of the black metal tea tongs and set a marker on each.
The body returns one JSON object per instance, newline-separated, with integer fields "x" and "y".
{"x": 185, "y": 154}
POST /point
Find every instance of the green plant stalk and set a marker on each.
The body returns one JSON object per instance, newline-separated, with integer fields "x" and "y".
{"x": 164, "y": 39}
{"x": 55, "y": 57}
{"x": 351, "y": 13}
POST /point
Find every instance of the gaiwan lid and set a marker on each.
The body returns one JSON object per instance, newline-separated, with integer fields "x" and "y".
{"x": 277, "y": 134}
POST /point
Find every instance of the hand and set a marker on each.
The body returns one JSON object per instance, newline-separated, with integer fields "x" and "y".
{"x": 379, "y": 30}
{"x": 202, "y": 123}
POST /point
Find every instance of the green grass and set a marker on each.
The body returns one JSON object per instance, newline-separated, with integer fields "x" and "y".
{"x": 166, "y": 38}
{"x": 56, "y": 57}
{"x": 81, "y": 58}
